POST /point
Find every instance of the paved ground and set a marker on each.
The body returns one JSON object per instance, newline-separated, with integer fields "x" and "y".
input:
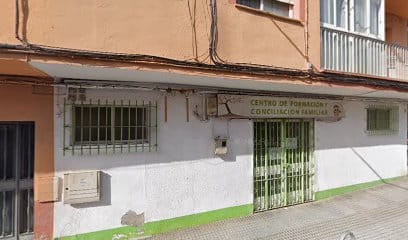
{"x": 376, "y": 213}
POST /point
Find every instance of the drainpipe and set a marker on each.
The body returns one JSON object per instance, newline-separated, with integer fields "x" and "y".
{"x": 309, "y": 64}
{"x": 17, "y": 24}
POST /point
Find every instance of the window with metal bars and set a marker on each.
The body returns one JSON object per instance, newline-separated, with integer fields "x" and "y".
{"x": 129, "y": 127}
{"x": 382, "y": 120}
{"x": 130, "y": 124}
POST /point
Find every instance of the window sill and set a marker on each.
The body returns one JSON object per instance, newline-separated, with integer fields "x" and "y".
{"x": 110, "y": 143}
{"x": 258, "y": 11}
{"x": 110, "y": 148}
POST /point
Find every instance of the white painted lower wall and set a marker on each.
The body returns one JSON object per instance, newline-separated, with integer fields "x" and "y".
{"x": 185, "y": 177}
{"x": 346, "y": 155}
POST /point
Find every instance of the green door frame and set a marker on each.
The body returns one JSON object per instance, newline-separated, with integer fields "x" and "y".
{"x": 283, "y": 162}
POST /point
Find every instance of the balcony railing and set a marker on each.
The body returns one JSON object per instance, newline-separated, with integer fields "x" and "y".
{"x": 352, "y": 53}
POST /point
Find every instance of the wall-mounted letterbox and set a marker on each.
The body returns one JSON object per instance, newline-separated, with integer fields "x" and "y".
{"x": 221, "y": 146}
{"x": 82, "y": 187}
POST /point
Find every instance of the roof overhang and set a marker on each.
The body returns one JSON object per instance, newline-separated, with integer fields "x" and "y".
{"x": 159, "y": 78}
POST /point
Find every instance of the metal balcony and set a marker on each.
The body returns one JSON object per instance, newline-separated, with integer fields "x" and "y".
{"x": 353, "y": 53}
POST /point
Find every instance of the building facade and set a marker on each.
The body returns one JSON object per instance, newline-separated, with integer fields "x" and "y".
{"x": 134, "y": 118}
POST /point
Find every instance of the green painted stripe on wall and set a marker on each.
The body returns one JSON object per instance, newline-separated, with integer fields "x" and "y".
{"x": 194, "y": 220}
{"x": 197, "y": 219}
{"x": 167, "y": 225}
{"x": 347, "y": 189}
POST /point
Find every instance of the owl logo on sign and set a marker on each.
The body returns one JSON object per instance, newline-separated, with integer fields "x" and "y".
{"x": 337, "y": 112}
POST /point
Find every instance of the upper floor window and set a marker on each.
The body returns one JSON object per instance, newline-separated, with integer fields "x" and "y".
{"x": 334, "y": 12}
{"x": 361, "y": 16}
{"x": 367, "y": 16}
{"x": 279, "y": 7}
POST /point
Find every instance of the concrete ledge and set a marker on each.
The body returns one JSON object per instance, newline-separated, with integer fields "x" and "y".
{"x": 198, "y": 219}
{"x": 117, "y": 233}
{"x": 167, "y": 225}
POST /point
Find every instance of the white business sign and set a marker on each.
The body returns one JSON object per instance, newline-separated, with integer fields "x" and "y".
{"x": 243, "y": 106}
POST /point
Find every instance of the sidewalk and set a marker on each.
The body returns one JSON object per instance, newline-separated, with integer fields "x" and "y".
{"x": 376, "y": 213}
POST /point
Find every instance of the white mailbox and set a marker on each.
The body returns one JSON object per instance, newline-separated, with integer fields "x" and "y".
{"x": 221, "y": 147}
{"x": 82, "y": 187}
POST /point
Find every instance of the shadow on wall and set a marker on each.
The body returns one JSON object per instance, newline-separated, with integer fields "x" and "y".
{"x": 179, "y": 141}
{"x": 375, "y": 172}
{"x": 289, "y": 39}
{"x": 192, "y": 142}
{"x": 350, "y": 131}
{"x": 358, "y": 152}
{"x": 198, "y": 145}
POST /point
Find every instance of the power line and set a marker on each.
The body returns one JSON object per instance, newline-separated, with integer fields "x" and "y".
{"x": 218, "y": 63}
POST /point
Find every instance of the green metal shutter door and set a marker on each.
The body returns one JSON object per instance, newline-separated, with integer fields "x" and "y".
{"x": 283, "y": 163}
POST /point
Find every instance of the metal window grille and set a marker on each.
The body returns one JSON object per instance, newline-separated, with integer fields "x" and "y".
{"x": 103, "y": 127}
{"x": 382, "y": 120}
